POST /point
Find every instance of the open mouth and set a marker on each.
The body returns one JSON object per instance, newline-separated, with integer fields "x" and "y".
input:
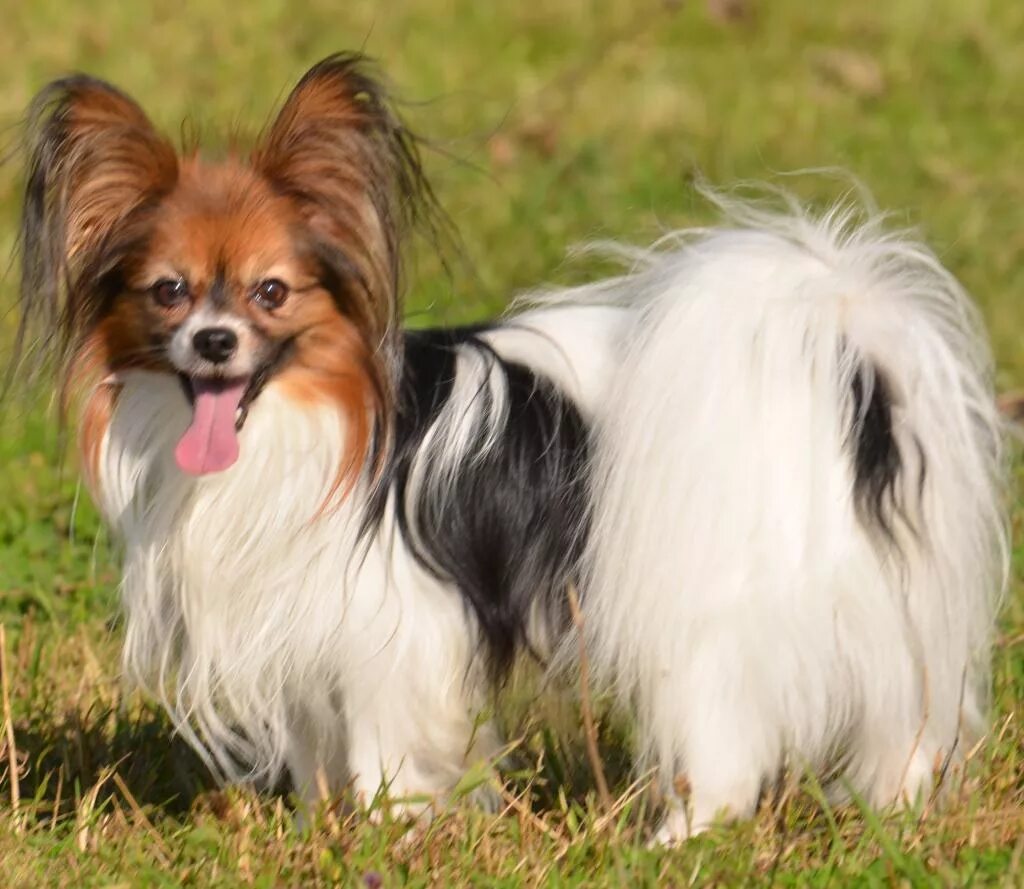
{"x": 219, "y": 407}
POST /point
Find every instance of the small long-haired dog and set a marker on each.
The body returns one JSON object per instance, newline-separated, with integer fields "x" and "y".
{"x": 768, "y": 458}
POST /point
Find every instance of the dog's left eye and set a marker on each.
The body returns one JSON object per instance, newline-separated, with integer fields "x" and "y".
{"x": 270, "y": 294}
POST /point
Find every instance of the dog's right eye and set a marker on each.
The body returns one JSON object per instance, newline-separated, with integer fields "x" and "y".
{"x": 170, "y": 292}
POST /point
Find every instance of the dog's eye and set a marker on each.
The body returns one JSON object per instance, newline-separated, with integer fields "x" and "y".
{"x": 270, "y": 294}
{"x": 170, "y": 292}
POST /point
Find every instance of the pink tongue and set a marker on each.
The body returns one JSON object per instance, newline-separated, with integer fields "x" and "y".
{"x": 210, "y": 444}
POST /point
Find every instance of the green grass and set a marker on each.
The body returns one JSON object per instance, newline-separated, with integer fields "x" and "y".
{"x": 556, "y": 122}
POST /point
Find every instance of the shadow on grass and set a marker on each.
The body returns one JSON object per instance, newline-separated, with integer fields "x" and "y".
{"x": 64, "y": 759}
{"x": 549, "y": 767}
{"x": 73, "y": 745}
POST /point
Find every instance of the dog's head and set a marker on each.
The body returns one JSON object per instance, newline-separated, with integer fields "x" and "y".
{"x": 278, "y": 266}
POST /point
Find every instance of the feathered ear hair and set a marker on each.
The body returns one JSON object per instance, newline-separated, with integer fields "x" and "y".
{"x": 338, "y": 149}
{"x": 96, "y": 168}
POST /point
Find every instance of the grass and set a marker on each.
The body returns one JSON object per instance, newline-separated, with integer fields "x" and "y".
{"x": 555, "y": 123}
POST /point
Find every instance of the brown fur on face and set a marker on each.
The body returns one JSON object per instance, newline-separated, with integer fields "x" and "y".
{"x": 321, "y": 205}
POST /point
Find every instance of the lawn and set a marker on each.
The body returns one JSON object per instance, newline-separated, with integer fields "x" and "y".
{"x": 550, "y": 123}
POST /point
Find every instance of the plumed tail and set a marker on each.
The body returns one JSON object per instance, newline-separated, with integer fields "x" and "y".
{"x": 799, "y": 525}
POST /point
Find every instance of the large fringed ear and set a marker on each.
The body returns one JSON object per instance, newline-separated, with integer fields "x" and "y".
{"x": 95, "y": 165}
{"x": 340, "y": 152}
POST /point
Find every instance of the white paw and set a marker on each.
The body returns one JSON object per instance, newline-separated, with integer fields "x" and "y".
{"x": 676, "y": 829}
{"x": 918, "y": 780}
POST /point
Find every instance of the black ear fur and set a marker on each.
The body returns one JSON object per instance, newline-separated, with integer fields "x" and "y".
{"x": 95, "y": 165}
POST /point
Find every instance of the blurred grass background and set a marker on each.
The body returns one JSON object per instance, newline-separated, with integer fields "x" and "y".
{"x": 552, "y": 123}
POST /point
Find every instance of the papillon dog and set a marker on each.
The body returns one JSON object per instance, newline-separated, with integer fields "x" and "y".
{"x": 767, "y": 457}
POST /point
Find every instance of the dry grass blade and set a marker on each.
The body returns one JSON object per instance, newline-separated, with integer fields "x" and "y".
{"x": 517, "y": 805}
{"x": 55, "y": 814}
{"x": 12, "y": 747}
{"x": 160, "y": 848}
{"x": 86, "y": 810}
{"x": 323, "y": 790}
{"x": 628, "y": 796}
{"x": 589, "y": 724}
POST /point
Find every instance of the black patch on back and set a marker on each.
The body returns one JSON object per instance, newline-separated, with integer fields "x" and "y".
{"x": 510, "y": 531}
{"x": 876, "y": 457}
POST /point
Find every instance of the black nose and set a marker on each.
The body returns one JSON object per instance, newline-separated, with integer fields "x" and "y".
{"x": 216, "y": 344}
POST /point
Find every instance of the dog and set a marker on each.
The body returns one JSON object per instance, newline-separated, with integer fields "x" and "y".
{"x": 767, "y": 456}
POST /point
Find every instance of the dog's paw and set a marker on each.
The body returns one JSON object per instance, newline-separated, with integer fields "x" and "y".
{"x": 675, "y": 829}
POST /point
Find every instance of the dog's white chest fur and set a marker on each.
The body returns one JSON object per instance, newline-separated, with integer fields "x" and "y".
{"x": 257, "y": 610}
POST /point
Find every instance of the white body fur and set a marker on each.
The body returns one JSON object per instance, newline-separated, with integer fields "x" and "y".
{"x": 245, "y": 611}
{"x": 272, "y": 635}
{"x": 736, "y": 597}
